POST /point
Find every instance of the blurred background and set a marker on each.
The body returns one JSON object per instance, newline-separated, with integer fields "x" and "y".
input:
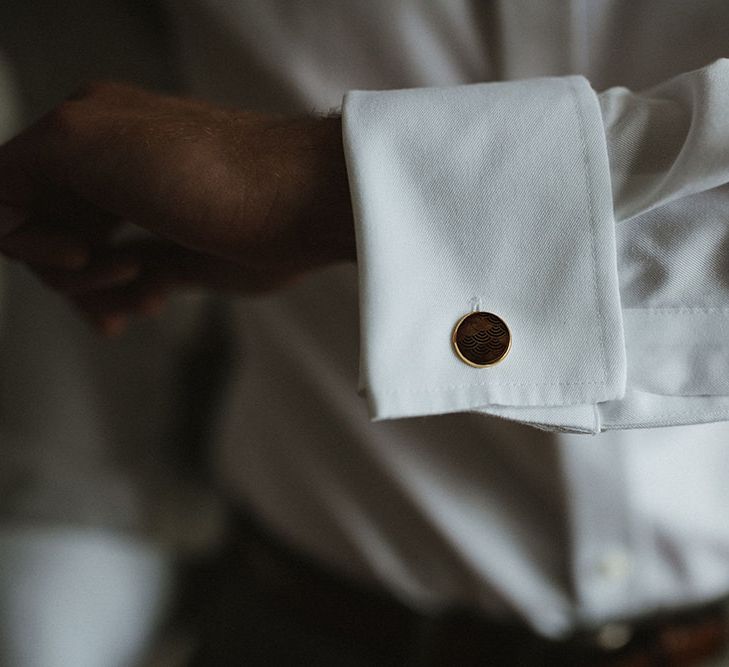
{"x": 104, "y": 499}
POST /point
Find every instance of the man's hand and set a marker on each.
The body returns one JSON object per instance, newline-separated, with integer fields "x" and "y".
{"x": 243, "y": 201}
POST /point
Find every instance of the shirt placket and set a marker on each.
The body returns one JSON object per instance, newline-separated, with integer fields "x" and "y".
{"x": 601, "y": 549}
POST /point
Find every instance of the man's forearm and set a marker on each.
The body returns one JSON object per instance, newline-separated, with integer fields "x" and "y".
{"x": 260, "y": 198}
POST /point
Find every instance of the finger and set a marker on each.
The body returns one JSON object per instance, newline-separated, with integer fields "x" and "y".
{"x": 100, "y": 275}
{"x": 38, "y": 246}
{"x": 142, "y": 297}
{"x": 109, "y": 311}
{"x": 62, "y": 211}
{"x": 175, "y": 267}
{"x": 112, "y": 322}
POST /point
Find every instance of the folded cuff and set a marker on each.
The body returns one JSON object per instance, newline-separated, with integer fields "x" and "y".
{"x": 492, "y": 197}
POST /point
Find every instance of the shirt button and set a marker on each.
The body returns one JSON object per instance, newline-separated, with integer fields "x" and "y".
{"x": 481, "y": 339}
{"x": 613, "y": 636}
{"x": 614, "y": 565}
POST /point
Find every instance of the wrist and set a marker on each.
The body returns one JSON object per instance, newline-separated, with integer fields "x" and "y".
{"x": 327, "y": 229}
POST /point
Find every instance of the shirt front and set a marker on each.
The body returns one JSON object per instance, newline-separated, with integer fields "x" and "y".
{"x": 557, "y": 529}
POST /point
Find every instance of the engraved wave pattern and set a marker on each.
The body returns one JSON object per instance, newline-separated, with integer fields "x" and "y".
{"x": 481, "y": 343}
{"x": 485, "y": 345}
{"x": 497, "y": 325}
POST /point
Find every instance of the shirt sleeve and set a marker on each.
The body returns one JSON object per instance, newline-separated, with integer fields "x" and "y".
{"x": 594, "y": 225}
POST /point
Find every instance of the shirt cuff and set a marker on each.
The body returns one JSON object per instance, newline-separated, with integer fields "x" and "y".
{"x": 491, "y": 197}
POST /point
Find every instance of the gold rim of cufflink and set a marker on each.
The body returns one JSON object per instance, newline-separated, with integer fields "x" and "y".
{"x": 478, "y": 341}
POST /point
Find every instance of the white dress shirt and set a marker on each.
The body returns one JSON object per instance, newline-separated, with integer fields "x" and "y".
{"x": 595, "y": 225}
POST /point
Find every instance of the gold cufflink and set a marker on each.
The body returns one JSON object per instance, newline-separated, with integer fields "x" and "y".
{"x": 481, "y": 339}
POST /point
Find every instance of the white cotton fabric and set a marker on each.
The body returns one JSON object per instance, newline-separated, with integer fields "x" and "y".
{"x": 558, "y": 530}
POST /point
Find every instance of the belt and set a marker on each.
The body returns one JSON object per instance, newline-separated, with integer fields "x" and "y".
{"x": 297, "y": 592}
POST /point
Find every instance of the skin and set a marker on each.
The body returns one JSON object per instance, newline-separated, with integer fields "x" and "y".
{"x": 229, "y": 200}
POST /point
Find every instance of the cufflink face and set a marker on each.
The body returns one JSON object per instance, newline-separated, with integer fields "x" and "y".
{"x": 481, "y": 339}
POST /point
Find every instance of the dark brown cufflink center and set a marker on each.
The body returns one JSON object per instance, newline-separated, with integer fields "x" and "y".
{"x": 481, "y": 339}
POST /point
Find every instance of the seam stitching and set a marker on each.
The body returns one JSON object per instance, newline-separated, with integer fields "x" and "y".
{"x": 446, "y": 387}
{"x": 669, "y": 416}
{"x": 591, "y": 212}
{"x": 679, "y": 309}
{"x": 596, "y": 415}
